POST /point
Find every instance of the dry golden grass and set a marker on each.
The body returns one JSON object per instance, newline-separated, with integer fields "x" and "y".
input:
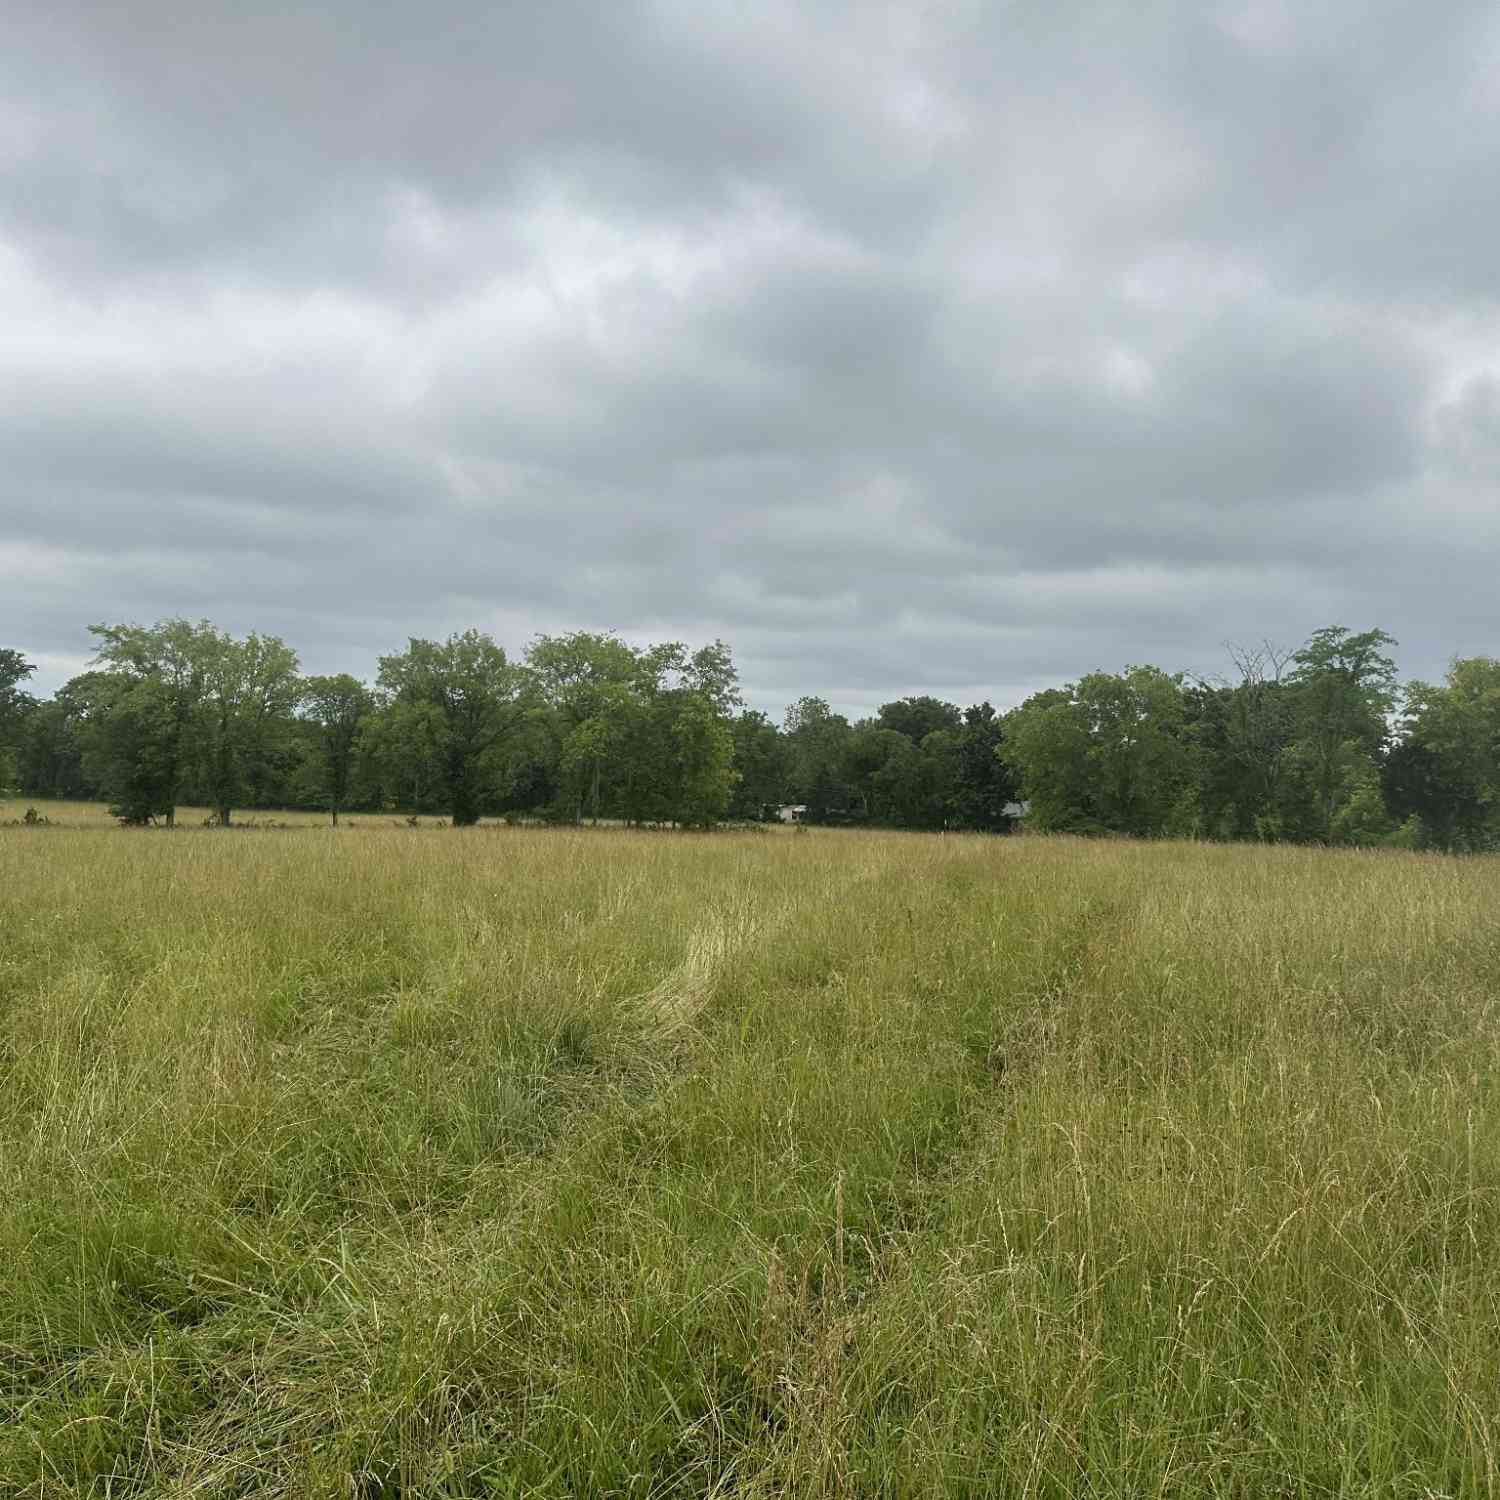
{"x": 525, "y": 1162}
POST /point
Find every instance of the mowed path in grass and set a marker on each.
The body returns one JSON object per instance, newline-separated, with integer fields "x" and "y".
{"x": 519, "y": 1162}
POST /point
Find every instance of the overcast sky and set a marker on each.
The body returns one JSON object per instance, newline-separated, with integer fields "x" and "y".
{"x": 914, "y": 347}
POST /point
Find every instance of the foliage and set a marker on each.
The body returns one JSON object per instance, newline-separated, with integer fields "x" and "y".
{"x": 1446, "y": 772}
{"x": 1109, "y": 753}
{"x": 1346, "y": 692}
{"x": 1242, "y": 734}
{"x": 984, "y": 785}
{"x": 16, "y": 706}
{"x": 762, "y": 763}
{"x": 818, "y": 745}
{"x": 639, "y": 734}
{"x": 589, "y": 686}
{"x": 53, "y": 741}
{"x": 1295, "y": 746}
{"x": 918, "y": 717}
{"x": 183, "y": 707}
{"x": 449, "y": 707}
{"x": 250, "y": 689}
{"x": 338, "y": 708}
{"x": 698, "y": 768}
{"x": 144, "y": 728}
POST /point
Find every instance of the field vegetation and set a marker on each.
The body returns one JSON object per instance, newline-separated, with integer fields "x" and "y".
{"x": 390, "y": 1161}
{"x": 1321, "y": 745}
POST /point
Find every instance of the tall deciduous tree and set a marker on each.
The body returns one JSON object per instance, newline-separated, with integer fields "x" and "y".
{"x": 1045, "y": 747}
{"x": 1244, "y": 731}
{"x": 1447, "y": 771}
{"x": 819, "y": 742}
{"x": 15, "y": 705}
{"x": 1346, "y": 693}
{"x": 985, "y": 784}
{"x": 918, "y": 717}
{"x": 902, "y": 788}
{"x": 250, "y": 689}
{"x": 184, "y": 705}
{"x": 338, "y": 707}
{"x": 761, "y": 760}
{"x": 456, "y": 701}
{"x": 708, "y": 672}
{"x": 52, "y": 752}
{"x": 143, "y": 734}
{"x": 700, "y": 774}
{"x": 642, "y": 734}
{"x": 680, "y": 749}
{"x": 587, "y": 685}
{"x": 1107, "y": 753}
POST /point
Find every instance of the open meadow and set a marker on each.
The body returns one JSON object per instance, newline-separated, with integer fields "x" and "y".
{"x": 517, "y": 1162}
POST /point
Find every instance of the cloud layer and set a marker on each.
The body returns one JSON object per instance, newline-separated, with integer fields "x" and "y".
{"x": 922, "y": 346}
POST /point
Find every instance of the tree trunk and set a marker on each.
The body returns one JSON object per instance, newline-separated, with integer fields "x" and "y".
{"x": 335, "y": 815}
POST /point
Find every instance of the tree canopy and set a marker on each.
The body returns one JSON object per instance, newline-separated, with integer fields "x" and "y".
{"x": 1317, "y": 743}
{"x": 15, "y": 706}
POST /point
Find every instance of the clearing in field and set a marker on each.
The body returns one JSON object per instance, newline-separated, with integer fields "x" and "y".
{"x": 410, "y": 1162}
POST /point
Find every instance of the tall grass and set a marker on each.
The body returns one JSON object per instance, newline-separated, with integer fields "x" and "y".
{"x": 507, "y": 1162}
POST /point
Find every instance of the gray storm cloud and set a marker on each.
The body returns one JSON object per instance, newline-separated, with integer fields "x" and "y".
{"x": 928, "y": 347}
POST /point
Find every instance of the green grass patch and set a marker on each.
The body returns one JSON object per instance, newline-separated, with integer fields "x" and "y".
{"x": 384, "y": 1162}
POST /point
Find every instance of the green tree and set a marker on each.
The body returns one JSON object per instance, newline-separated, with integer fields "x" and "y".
{"x": 1244, "y": 732}
{"x": 1045, "y": 746}
{"x": 452, "y": 705}
{"x": 401, "y": 754}
{"x": 53, "y": 745}
{"x": 1106, "y": 754}
{"x": 250, "y": 689}
{"x": 1446, "y": 769}
{"x": 700, "y": 769}
{"x": 918, "y": 717}
{"x": 880, "y": 766}
{"x": 983, "y": 783}
{"x": 1141, "y": 760}
{"x": 903, "y": 766}
{"x": 143, "y": 734}
{"x": 587, "y": 685}
{"x": 708, "y": 672}
{"x": 942, "y": 754}
{"x": 819, "y": 742}
{"x": 16, "y": 705}
{"x": 642, "y": 734}
{"x": 680, "y": 747}
{"x": 905, "y": 791}
{"x": 594, "y": 764}
{"x": 337, "y": 707}
{"x": 49, "y": 761}
{"x": 1345, "y": 694}
{"x": 762, "y": 762}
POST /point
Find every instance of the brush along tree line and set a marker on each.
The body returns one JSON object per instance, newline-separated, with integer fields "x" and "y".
{"x": 1315, "y": 745}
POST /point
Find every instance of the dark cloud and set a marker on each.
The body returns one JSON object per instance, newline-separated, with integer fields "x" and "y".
{"x": 957, "y": 348}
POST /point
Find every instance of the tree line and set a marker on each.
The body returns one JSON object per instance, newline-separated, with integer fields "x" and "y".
{"x": 1319, "y": 744}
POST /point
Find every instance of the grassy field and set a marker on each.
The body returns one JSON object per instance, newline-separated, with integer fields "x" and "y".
{"x": 96, "y": 815}
{"x": 409, "y": 1162}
